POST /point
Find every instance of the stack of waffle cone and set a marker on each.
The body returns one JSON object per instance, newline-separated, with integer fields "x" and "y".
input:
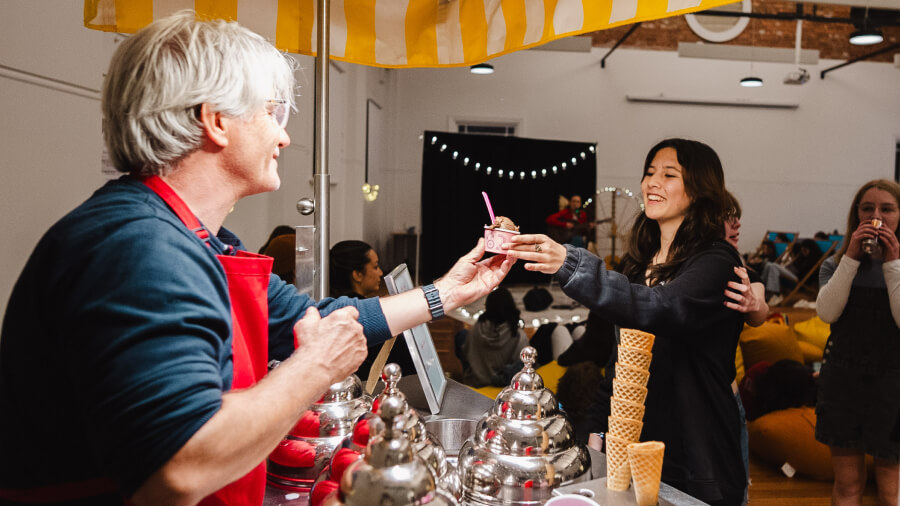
{"x": 645, "y": 462}
{"x": 627, "y": 405}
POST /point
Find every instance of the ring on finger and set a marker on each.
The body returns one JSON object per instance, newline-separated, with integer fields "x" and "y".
{"x": 537, "y": 247}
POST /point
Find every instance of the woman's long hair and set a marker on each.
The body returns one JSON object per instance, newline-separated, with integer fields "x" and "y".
{"x": 853, "y": 216}
{"x": 344, "y": 258}
{"x": 500, "y": 307}
{"x": 704, "y": 222}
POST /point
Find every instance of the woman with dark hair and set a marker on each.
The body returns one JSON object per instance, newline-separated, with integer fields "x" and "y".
{"x": 858, "y": 408}
{"x": 673, "y": 274}
{"x": 495, "y": 341}
{"x": 354, "y": 272}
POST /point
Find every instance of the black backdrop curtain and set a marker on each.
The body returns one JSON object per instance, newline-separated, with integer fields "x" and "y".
{"x": 456, "y": 168}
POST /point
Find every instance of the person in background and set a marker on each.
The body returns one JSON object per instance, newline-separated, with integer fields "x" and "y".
{"x": 747, "y": 296}
{"x": 354, "y": 272}
{"x": 494, "y": 342}
{"x": 569, "y": 224}
{"x": 135, "y": 343}
{"x": 283, "y": 250}
{"x": 858, "y": 405}
{"x": 673, "y": 273}
{"x": 780, "y": 279}
{"x": 277, "y": 231}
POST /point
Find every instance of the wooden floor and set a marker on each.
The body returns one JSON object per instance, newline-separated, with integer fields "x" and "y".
{"x": 769, "y": 486}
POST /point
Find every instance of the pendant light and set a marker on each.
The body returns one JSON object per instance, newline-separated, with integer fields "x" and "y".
{"x": 751, "y": 81}
{"x": 867, "y": 35}
{"x": 482, "y": 68}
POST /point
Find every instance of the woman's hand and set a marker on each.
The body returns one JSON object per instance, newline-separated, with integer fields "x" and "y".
{"x": 865, "y": 230}
{"x": 745, "y": 299}
{"x": 890, "y": 246}
{"x": 542, "y": 253}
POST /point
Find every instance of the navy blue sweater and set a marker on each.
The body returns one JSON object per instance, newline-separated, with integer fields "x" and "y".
{"x": 116, "y": 344}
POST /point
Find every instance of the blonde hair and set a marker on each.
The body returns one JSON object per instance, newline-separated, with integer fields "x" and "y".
{"x": 159, "y": 77}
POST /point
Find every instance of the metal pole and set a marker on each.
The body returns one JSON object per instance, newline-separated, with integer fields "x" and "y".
{"x": 321, "y": 177}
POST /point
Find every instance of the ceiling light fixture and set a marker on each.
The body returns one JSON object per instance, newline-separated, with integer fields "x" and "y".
{"x": 867, "y": 33}
{"x": 482, "y": 68}
{"x": 751, "y": 82}
{"x": 866, "y": 37}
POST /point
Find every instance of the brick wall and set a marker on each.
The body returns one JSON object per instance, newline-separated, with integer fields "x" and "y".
{"x": 831, "y": 39}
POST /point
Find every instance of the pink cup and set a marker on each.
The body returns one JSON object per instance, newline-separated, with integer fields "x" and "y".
{"x": 494, "y": 237}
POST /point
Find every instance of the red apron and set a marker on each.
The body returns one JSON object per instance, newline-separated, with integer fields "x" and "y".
{"x": 248, "y": 281}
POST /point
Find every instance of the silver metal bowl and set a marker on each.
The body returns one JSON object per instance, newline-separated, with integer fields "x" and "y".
{"x": 307, "y": 449}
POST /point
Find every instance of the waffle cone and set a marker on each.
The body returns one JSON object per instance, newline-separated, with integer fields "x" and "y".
{"x": 645, "y": 462}
{"x": 618, "y": 471}
{"x": 635, "y": 357}
{"x": 632, "y": 374}
{"x": 622, "y": 408}
{"x": 629, "y": 391}
{"x": 625, "y": 428}
{"x": 636, "y": 339}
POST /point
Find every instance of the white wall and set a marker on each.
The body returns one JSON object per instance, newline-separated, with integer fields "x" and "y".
{"x": 791, "y": 169}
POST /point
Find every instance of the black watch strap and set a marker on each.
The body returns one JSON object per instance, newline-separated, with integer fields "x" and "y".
{"x": 434, "y": 301}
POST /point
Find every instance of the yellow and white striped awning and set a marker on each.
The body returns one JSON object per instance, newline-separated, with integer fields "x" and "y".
{"x": 403, "y": 33}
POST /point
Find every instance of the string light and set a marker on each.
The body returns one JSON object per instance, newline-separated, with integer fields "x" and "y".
{"x": 542, "y": 172}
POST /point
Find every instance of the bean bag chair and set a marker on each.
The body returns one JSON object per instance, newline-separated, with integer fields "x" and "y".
{"x": 770, "y": 342}
{"x": 813, "y": 331}
{"x": 788, "y": 436}
{"x": 551, "y": 373}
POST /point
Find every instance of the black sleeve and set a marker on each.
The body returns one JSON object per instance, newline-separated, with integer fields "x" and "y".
{"x": 690, "y": 302}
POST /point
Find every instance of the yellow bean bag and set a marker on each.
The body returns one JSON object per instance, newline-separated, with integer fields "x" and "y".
{"x": 550, "y": 373}
{"x": 788, "y": 436}
{"x": 770, "y": 342}
{"x": 813, "y": 331}
{"x": 811, "y": 352}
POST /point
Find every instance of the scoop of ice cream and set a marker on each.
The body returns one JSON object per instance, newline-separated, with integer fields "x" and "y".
{"x": 504, "y": 223}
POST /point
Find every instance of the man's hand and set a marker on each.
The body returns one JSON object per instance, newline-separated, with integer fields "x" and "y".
{"x": 336, "y": 341}
{"x": 472, "y": 278}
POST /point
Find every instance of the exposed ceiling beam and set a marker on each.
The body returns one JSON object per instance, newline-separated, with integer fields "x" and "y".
{"x": 872, "y": 4}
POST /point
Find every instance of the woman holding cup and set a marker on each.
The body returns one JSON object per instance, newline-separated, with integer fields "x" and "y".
{"x": 858, "y": 408}
{"x": 672, "y": 275}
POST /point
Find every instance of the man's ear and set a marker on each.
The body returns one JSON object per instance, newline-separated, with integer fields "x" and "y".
{"x": 215, "y": 124}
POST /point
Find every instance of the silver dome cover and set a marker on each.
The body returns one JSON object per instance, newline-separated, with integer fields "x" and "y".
{"x": 523, "y": 448}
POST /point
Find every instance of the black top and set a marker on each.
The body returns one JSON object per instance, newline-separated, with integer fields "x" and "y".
{"x": 690, "y": 405}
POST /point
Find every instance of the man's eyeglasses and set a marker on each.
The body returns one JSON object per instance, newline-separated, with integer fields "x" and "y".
{"x": 280, "y": 110}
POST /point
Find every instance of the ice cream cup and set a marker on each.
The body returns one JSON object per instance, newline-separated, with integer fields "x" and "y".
{"x": 494, "y": 237}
